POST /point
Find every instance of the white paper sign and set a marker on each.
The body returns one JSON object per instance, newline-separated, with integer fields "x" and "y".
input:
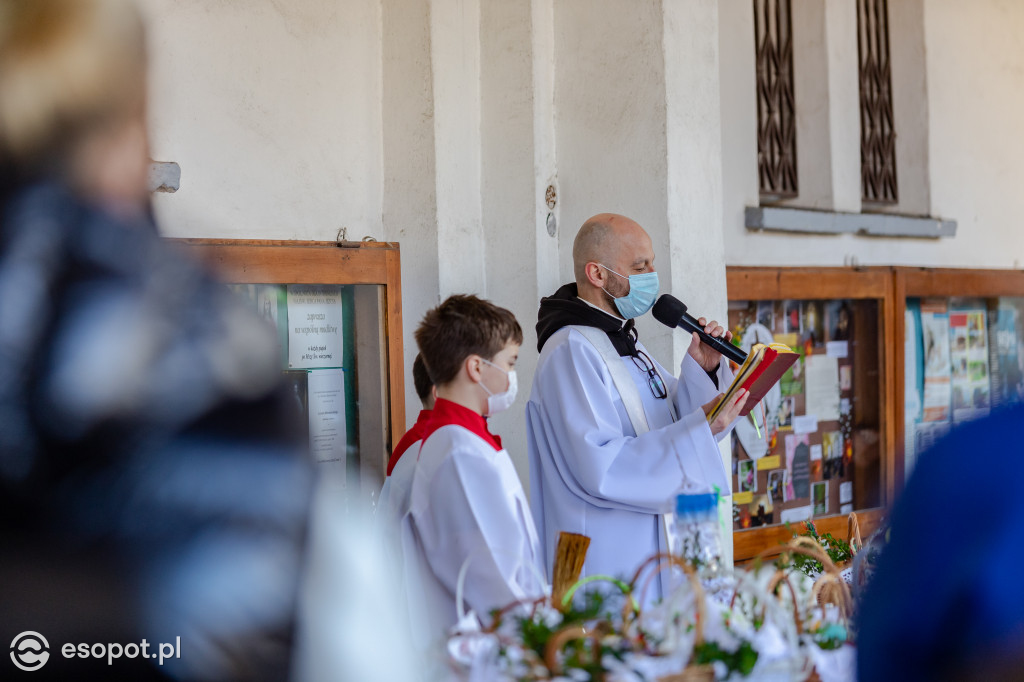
{"x": 797, "y": 514}
{"x": 314, "y": 326}
{"x": 805, "y": 423}
{"x": 327, "y": 436}
{"x": 845, "y": 508}
{"x": 815, "y": 453}
{"x": 837, "y": 349}
{"x": 821, "y": 374}
{"x": 846, "y": 492}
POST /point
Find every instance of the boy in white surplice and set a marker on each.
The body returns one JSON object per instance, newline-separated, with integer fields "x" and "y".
{"x": 612, "y": 435}
{"x": 467, "y": 507}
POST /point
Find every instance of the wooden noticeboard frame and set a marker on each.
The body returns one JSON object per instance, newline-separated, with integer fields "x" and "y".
{"x": 909, "y": 282}
{"x": 258, "y": 261}
{"x": 758, "y": 283}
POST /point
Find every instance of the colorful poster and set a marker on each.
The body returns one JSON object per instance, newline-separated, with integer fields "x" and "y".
{"x": 937, "y": 375}
{"x": 913, "y": 380}
{"x": 314, "y": 326}
{"x": 838, "y": 315}
{"x": 832, "y": 445}
{"x": 1006, "y": 359}
{"x": 792, "y": 317}
{"x": 969, "y": 362}
{"x": 814, "y": 323}
{"x": 792, "y": 382}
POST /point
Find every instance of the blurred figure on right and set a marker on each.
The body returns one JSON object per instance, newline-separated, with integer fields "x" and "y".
{"x": 947, "y": 599}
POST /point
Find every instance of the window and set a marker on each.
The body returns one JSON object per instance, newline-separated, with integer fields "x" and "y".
{"x": 776, "y": 113}
{"x": 877, "y": 132}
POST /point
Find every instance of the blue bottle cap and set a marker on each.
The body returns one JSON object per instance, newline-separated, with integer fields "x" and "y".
{"x": 695, "y": 504}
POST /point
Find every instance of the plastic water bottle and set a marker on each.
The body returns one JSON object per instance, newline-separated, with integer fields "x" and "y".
{"x": 697, "y": 536}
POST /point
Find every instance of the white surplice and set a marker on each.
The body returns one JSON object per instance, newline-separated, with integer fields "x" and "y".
{"x": 589, "y": 471}
{"x": 396, "y": 492}
{"x": 466, "y": 503}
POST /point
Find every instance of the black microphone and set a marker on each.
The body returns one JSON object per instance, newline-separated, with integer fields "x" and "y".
{"x": 671, "y": 312}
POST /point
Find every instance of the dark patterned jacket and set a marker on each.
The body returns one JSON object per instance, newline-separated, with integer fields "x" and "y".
{"x": 150, "y": 485}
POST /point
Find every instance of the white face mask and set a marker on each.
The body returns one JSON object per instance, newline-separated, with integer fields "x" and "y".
{"x": 498, "y": 402}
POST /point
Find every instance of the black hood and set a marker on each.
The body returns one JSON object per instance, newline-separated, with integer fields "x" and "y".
{"x": 565, "y": 308}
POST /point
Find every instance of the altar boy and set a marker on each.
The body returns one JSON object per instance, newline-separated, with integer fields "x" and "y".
{"x": 394, "y": 496}
{"x": 467, "y": 506}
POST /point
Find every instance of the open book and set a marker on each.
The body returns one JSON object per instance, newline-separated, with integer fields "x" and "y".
{"x": 764, "y": 367}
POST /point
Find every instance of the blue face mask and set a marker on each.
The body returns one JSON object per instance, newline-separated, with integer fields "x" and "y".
{"x": 643, "y": 289}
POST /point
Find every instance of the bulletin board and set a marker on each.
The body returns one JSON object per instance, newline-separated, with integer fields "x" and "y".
{"x": 960, "y": 337}
{"x": 820, "y": 447}
{"x": 337, "y": 309}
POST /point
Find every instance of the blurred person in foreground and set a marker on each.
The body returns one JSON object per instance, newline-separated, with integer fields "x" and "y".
{"x": 150, "y": 487}
{"x": 946, "y": 601}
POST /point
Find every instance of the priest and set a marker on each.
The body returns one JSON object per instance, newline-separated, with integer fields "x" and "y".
{"x": 613, "y": 436}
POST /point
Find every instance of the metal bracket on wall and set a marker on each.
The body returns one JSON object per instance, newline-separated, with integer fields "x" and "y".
{"x": 767, "y": 218}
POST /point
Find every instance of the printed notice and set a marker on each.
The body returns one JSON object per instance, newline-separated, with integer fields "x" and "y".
{"x": 327, "y": 436}
{"x": 837, "y": 349}
{"x": 314, "y": 326}
{"x": 822, "y": 377}
{"x": 807, "y": 423}
{"x": 796, "y": 514}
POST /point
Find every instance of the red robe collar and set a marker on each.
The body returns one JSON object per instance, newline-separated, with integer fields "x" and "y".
{"x": 446, "y": 412}
{"x": 416, "y": 433}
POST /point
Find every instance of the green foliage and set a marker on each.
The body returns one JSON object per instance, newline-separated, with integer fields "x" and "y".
{"x": 536, "y": 634}
{"x": 742, "y": 660}
{"x": 839, "y": 551}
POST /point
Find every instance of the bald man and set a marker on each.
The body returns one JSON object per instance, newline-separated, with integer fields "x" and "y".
{"x": 613, "y": 436}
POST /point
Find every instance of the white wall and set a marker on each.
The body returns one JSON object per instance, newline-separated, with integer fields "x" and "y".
{"x": 438, "y": 124}
{"x": 975, "y": 103}
{"x": 610, "y": 127}
{"x": 273, "y": 110}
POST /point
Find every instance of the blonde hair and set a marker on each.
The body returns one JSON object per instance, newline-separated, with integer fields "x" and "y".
{"x": 67, "y": 67}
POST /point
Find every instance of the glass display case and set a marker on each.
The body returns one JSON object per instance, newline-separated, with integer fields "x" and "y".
{"x": 336, "y": 313}
{"x": 817, "y": 447}
{"x": 962, "y": 350}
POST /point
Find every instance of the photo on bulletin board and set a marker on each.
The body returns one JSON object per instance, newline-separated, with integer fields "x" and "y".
{"x": 747, "y": 476}
{"x": 819, "y": 498}
{"x": 792, "y": 317}
{"x": 766, "y": 314}
{"x": 775, "y": 481}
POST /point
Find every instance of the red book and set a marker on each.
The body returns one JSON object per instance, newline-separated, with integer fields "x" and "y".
{"x": 764, "y": 367}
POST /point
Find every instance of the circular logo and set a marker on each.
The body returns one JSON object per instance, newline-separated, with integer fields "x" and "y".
{"x": 29, "y": 651}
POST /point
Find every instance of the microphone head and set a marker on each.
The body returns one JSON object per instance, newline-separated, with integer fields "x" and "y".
{"x": 668, "y": 310}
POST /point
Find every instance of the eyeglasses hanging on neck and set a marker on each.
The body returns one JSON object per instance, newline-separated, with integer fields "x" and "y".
{"x": 654, "y": 380}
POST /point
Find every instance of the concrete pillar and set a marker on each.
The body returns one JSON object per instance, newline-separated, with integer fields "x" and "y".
{"x": 843, "y": 103}
{"x": 455, "y": 63}
{"x": 694, "y": 177}
{"x": 910, "y": 106}
{"x": 737, "y": 90}
{"x": 694, "y": 160}
{"x": 610, "y": 127}
{"x": 827, "y": 91}
{"x": 410, "y": 201}
{"x": 511, "y": 237}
